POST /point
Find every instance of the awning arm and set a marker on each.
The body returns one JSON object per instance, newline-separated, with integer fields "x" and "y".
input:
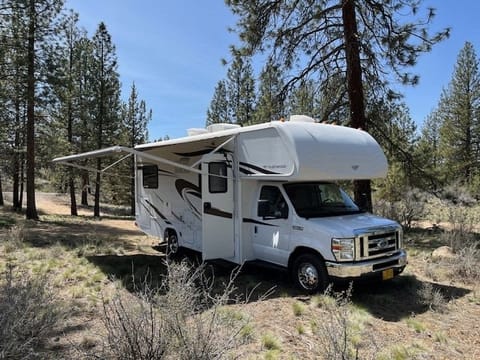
{"x": 65, "y": 160}
{"x": 215, "y": 150}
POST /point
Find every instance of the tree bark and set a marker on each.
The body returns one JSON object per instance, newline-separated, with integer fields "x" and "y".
{"x": 96, "y": 206}
{"x": 85, "y": 187}
{"x": 362, "y": 188}
{"x": 1, "y": 192}
{"x": 31, "y": 212}
{"x": 132, "y": 187}
{"x": 71, "y": 182}
{"x": 16, "y": 170}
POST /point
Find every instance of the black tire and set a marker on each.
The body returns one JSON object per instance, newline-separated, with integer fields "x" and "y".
{"x": 173, "y": 248}
{"x": 309, "y": 273}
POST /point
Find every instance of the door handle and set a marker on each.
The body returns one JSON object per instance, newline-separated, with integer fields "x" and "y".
{"x": 255, "y": 229}
{"x": 207, "y": 206}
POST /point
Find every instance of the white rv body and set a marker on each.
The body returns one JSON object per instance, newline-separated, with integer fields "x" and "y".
{"x": 207, "y": 188}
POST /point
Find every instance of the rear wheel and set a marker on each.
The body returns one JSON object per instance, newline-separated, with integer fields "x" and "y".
{"x": 309, "y": 273}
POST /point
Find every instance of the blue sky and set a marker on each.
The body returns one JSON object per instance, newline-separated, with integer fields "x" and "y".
{"x": 172, "y": 50}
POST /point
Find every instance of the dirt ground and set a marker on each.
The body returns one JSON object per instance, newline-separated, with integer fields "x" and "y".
{"x": 396, "y": 324}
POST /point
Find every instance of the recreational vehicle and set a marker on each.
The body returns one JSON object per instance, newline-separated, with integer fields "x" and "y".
{"x": 267, "y": 193}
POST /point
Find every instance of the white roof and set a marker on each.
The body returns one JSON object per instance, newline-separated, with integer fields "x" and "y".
{"x": 297, "y": 150}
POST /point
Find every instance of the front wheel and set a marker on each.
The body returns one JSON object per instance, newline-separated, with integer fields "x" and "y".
{"x": 309, "y": 273}
{"x": 172, "y": 244}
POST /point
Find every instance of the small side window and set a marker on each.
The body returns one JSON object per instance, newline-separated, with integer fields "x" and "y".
{"x": 272, "y": 204}
{"x": 150, "y": 176}
{"x": 217, "y": 178}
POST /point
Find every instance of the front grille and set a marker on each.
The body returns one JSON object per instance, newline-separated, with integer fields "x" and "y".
{"x": 381, "y": 244}
{"x": 377, "y": 243}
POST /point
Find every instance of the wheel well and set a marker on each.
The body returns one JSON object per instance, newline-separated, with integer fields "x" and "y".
{"x": 167, "y": 233}
{"x": 302, "y": 250}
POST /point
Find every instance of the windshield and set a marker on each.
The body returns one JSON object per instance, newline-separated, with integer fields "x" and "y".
{"x": 320, "y": 199}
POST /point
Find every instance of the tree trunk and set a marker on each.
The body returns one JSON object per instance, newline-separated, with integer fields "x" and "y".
{"x": 1, "y": 192}
{"x": 71, "y": 182}
{"x": 22, "y": 182}
{"x": 362, "y": 188}
{"x": 16, "y": 173}
{"x": 73, "y": 200}
{"x": 16, "y": 159}
{"x": 96, "y": 206}
{"x": 85, "y": 187}
{"x": 31, "y": 212}
{"x": 132, "y": 191}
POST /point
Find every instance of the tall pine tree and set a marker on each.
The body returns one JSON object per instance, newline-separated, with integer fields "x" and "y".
{"x": 459, "y": 110}
{"x": 218, "y": 111}
{"x": 331, "y": 38}
{"x": 240, "y": 88}
{"x": 106, "y": 86}
{"x": 135, "y": 123}
{"x": 270, "y": 103}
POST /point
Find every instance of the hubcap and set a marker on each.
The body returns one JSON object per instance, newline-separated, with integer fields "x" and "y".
{"x": 308, "y": 276}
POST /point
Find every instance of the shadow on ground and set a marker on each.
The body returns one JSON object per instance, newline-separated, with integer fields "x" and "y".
{"x": 392, "y": 300}
{"x": 399, "y": 298}
{"x": 77, "y": 232}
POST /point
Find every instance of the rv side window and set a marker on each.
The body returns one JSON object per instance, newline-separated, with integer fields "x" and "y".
{"x": 217, "y": 179}
{"x": 150, "y": 176}
{"x": 272, "y": 204}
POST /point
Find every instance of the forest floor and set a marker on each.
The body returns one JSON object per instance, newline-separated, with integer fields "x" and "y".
{"x": 393, "y": 319}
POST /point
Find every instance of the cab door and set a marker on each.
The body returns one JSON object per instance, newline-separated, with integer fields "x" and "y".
{"x": 218, "y": 241}
{"x": 272, "y": 228}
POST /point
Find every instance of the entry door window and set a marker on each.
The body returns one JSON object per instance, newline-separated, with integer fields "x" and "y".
{"x": 217, "y": 177}
{"x": 150, "y": 176}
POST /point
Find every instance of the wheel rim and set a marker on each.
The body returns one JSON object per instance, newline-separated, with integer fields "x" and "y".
{"x": 308, "y": 276}
{"x": 173, "y": 244}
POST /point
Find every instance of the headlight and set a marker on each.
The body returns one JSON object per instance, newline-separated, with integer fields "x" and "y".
{"x": 343, "y": 249}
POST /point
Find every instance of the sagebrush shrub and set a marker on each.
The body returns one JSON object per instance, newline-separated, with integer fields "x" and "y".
{"x": 181, "y": 319}
{"x": 29, "y": 312}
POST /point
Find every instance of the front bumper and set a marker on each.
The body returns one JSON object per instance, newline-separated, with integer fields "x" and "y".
{"x": 397, "y": 262}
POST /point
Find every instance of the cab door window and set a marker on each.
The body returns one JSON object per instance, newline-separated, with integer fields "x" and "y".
{"x": 272, "y": 204}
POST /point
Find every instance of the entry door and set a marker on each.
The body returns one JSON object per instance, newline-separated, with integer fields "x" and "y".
{"x": 218, "y": 208}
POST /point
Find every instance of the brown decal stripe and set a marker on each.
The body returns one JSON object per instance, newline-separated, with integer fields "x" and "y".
{"x": 252, "y": 221}
{"x": 218, "y": 212}
{"x": 181, "y": 184}
{"x": 158, "y": 212}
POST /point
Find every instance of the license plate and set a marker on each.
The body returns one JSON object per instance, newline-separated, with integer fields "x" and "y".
{"x": 387, "y": 274}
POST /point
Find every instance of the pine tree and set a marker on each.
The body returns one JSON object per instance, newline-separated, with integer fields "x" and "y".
{"x": 136, "y": 121}
{"x": 14, "y": 77}
{"x": 459, "y": 110}
{"x": 270, "y": 103}
{"x": 428, "y": 153}
{"x": 64, "y": 86}
{"x": 240, "y": 87}
{"x": 32, "y": 27}
{"x": 327, "y": 37}
{"x": 303, "y": 100}
{"x": 106, "y": 87}
{"x": 218, "y": 112}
